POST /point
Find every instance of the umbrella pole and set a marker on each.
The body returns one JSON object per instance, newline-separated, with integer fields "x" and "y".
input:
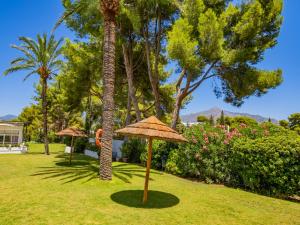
{"x": 145, "y": 198}
{"x": 71, "y": 151}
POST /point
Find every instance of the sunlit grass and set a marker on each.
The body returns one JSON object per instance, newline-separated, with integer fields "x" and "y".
{"x": 40, "y": 189}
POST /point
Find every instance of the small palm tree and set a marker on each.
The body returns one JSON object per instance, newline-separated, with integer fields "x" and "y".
{"x": 41, "y": 57}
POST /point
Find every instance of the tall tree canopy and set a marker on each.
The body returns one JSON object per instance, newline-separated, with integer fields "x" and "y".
{"x": 141, "y": 36}
{"x": 224, "y": 40}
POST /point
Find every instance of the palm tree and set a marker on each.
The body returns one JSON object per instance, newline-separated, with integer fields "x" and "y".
{"x": 39, "y": 57}
{"x": 109, "y": 9}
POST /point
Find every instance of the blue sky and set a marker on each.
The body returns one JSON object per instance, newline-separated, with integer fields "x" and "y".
{"x": 29, "y": 17}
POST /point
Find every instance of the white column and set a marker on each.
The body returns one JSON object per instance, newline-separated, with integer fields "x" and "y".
{"x": 20, "y": 139}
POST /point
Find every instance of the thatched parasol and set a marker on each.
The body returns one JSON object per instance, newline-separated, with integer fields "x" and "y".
{"x": 151, "y": 128}
{"x": 73, "y": 132}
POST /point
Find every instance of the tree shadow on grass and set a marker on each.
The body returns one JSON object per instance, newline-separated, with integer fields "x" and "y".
{"x": 156, "y": 199}
{"x": 86, "y": 169}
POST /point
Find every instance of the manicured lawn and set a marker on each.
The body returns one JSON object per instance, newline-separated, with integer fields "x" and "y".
{"x": 40, "y": 189}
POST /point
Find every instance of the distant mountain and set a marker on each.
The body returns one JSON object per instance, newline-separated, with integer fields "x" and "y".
{"x": 7, "y": 117}
{"x": 216, "y": 113}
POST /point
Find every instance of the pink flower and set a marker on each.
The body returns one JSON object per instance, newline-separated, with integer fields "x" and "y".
{"x": 226, "y": 141}
{"x": 205, "y": 148}
{"x": 206, "y": 140}
{"x": 242, "y": 125}
{"x": 194, "y": 140}
{"x": 266, "y": 132}
{"x": 221, "y": 127}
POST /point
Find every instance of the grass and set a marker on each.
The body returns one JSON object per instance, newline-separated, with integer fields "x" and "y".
{"x": 39, "y": 189}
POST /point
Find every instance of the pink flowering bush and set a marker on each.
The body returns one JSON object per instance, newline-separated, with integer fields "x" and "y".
{"x": 203, "y": 157}
{"x": 209, "y": 154}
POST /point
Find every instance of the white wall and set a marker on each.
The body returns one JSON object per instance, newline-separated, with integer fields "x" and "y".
{"x": 117, "y": 144}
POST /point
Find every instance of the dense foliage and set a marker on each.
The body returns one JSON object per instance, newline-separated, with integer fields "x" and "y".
{"x": 262, "y": 157}
{"x": 132, "y": 150}
{"x": 160, "y": 153}
{"x": 270, "y": 165}
{"x": 224, "y": 40}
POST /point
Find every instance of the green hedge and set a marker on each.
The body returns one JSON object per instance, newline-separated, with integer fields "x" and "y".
{"x": 263, "y": 158}
{"x": 269, "y": 165}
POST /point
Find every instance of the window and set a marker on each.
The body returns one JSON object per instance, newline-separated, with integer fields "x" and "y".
{"x": 14, "y": 139}
{"x": 7, "y": 140}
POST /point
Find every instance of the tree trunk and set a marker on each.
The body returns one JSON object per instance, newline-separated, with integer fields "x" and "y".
{"x": 128, "y": 115}
{"x": 129, "y": 72}
{"x": 152, "y": 77}
{"x": 181, "y": 94}
{"x": 88, "y": 116}
{"x": 109, "y": 10}
{"x": 176, "y": 111}
{"x": 45, "y": 116}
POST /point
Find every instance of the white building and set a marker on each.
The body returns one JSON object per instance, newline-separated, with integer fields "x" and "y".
{"x": 11, "y": 137}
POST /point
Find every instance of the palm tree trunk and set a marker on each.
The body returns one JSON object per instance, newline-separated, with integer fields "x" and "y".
{"x": 109, "y": 10}
{"x": 45, "y": 115}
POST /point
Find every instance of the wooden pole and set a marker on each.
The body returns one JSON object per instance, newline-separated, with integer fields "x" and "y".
{"x": 71, "y": 150}
{"x": 148, "y": 171}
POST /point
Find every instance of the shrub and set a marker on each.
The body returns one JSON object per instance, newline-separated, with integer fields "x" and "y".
{"x": 203, "y": 157}
{"x": 53, "y": 138}
{"x": 262, "y": 158}
{"x": 160, "y": 153}
{"x": 80, "y": 144}
{"x": 132, "y": 149}
{"x": 92, "y": 147}
{"x": 269, "y": 165}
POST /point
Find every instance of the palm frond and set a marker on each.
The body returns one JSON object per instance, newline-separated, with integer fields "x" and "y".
{"x": 43, "y": 52}
{"x": 18, "y": 68}
{"x": 30, "y": 45}
{"x": 25, "y": 51}
{"x": 76, "y": 7}
{"x": 54, "y": 49}
{"x": 29, "y": 74}
{"x": 19, "y": 60}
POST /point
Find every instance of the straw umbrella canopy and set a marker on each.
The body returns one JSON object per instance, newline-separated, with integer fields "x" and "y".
{"x": 151, "y": 128}
{"x": 72, "y": 132}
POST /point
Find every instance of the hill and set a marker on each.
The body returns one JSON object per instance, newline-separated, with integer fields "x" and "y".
{"x": 216, "y": 112}
{"x": 7, "y": 117}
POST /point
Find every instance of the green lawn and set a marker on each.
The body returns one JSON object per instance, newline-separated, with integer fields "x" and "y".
{"x": 40, "y": 189}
